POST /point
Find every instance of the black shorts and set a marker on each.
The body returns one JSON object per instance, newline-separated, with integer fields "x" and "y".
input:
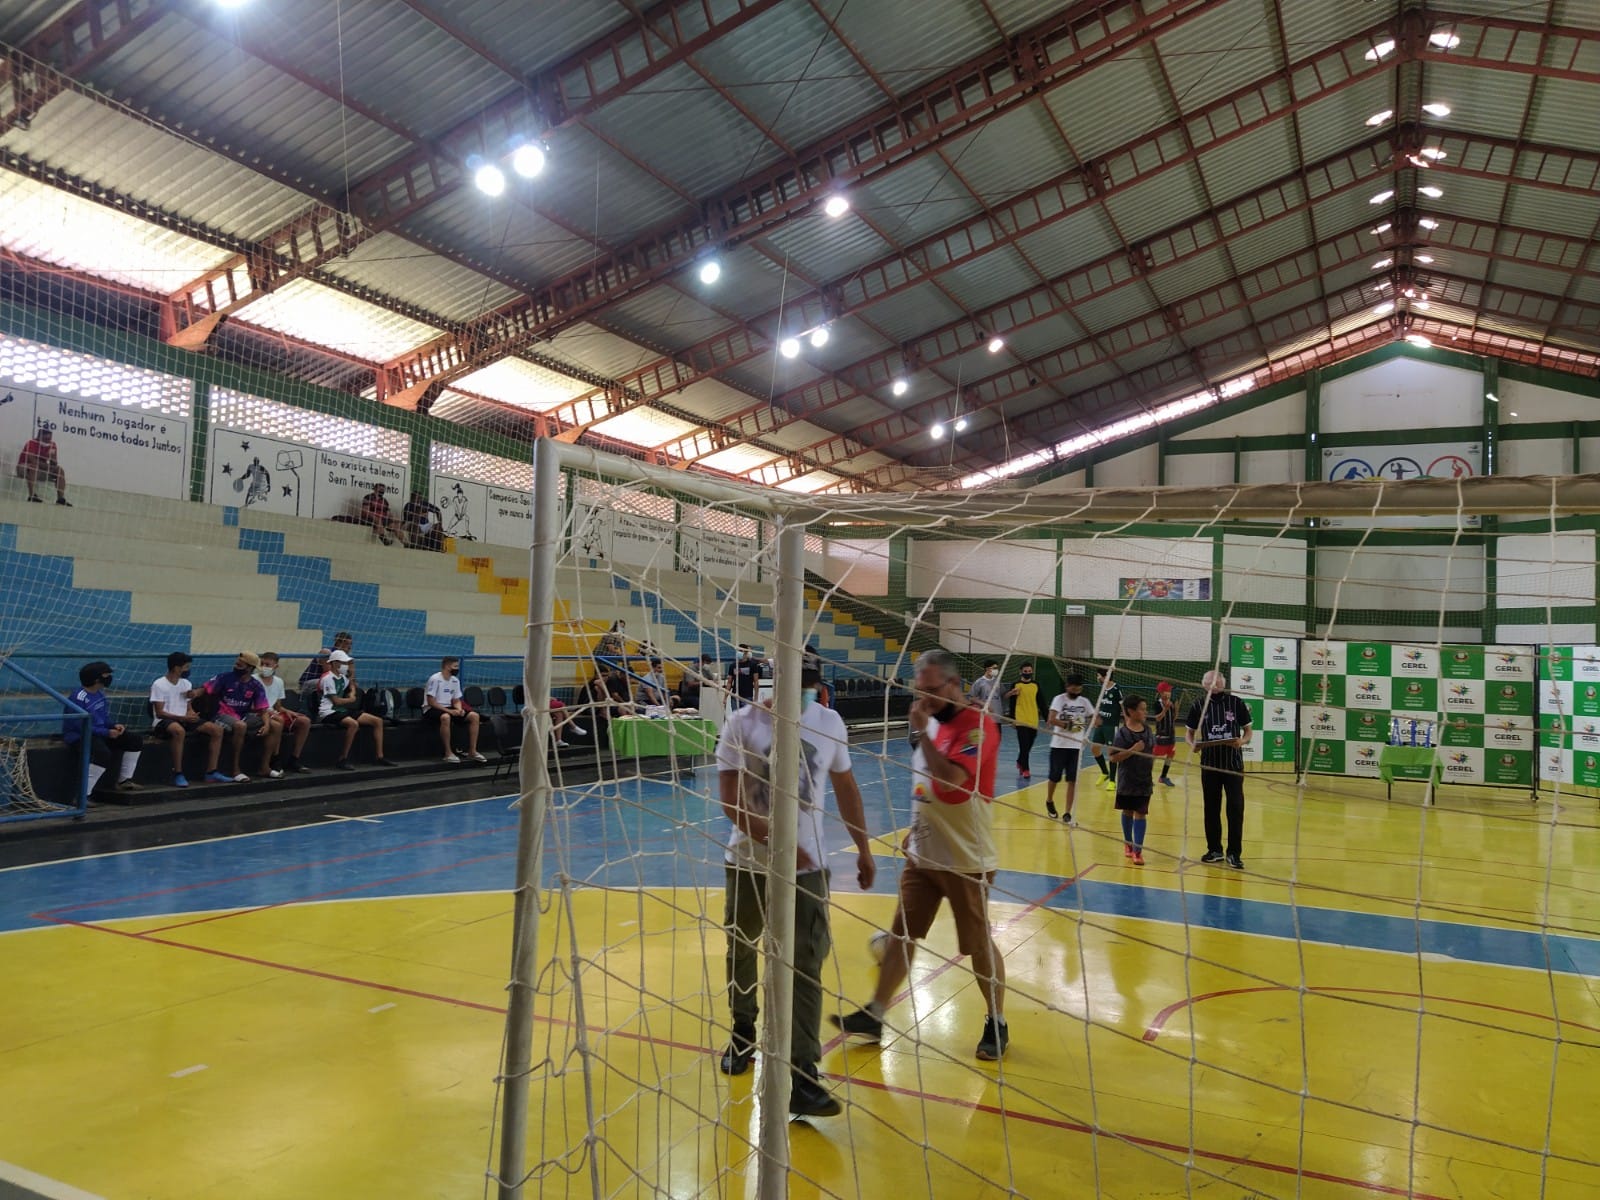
{"x": 335, "y": 719}
{"x": 430, "y": 716}
{"x": 164, "y": 726}
{"x": 1064, "y": 762}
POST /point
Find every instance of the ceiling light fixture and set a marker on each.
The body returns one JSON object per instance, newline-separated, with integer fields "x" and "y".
{"x": 1379, "y": 51}
{"x": 1424, "y": 259}
{"x": 836, "y": 205}
{"x": 1382, "y": 263}
{"x": 1491, "y": 398}
{"x": 1417, "y": 339}
{"x": 710, "y": 271}
{"x": 489, "y": 179}
{"x": 1416, "y": 160}
{"x": 1444, "y": 39}
{"x": 1424, "y": 304}
{"x": 1432, "y": 193}
{"x": 1433, "y": 152}
{"x": 1436, "y": 110}
{"x": 1382, "y": 196}
{"x": 996, "y": 344}
{"x": 1382, "y": 284}
{"x": 1380, "y": 229}
{"x": 1428, "y": 223}
{"x": 819, "y": 337}
{"x": 527, "y": 160}
{"x": 789, "y": 347}
{"x": 1513, "y": 414}
{"x": 937, "y": 431}
{"x": 1378, "y": 118}
{"x": 900, "y": 387}
{"x": 1385, "y": 308}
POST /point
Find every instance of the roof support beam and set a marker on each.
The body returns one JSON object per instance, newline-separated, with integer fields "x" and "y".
{"x": 641, "y": 49}
{"x": 87, "y": 33}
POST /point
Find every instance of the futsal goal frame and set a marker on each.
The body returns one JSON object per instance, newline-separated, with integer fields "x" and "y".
{"x": 791, "y": 515}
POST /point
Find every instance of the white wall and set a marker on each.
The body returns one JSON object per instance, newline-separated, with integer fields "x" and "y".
{"x": 1272, "y": 466}
{"x": 998, "y": 634}
{"x": 1287, "y": 414}
{"x": 1402, "y": 393}
{"x": 1071, "y": 481}
{"x": 859, "y": 565}
{"x": 1137, "y": 468}
{"x": 1094, "y": 567}
{"x": 981, "y": 570}
{"x": 1402, "y": 578}
{"x": 1534, "y": 403}
{"x": 1409, "y": 635}
{"x": 1259, "y": 570}
{"x": 1199, "y": 470}
{"x": 1559, "y": 634}
{"x": 1540, "y": 568}
{"x": 1543, "y": 457}
{"x": 1118, "y": 637}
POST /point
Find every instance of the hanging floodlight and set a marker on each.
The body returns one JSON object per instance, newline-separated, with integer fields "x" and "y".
{"x": 527, "y": 159}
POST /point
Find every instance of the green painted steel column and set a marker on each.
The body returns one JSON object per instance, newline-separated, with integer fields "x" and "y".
{"x": 200, "y": 407}
{"x": 1313, "y": 471}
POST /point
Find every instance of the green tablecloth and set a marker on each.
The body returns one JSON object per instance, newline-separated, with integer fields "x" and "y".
{"x": 1409, "y": 762}
{"x": 659, "y": 738}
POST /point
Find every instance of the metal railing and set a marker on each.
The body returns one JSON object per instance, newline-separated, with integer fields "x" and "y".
{"x": 66, "y": 712}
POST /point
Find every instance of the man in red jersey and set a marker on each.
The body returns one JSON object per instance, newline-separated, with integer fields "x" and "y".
{"x": 950, "y": 852}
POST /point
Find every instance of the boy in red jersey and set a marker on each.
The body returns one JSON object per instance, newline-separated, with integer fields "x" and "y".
{"x": 950, "y": 851}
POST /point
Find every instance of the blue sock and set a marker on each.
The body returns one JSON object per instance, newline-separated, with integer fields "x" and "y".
{"x": 1127, "y": 828}
{"x": 1138, "y": 824}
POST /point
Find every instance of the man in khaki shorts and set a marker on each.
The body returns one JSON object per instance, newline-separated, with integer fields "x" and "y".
{"x": 950, "y": 852}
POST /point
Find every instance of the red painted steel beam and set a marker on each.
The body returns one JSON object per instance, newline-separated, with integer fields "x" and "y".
{"x": 1569, "y": 52}
{"x": 85, "y": 34}
{"x": 656, "y": 39}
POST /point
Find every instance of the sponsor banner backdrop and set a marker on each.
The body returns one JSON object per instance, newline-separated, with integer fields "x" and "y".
{"x": 1568, "y": 727}
{"x": 1164, "y": 589}
{"x": 1264, "y": 670}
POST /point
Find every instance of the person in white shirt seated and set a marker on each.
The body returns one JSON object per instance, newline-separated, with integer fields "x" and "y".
{"x": 339, "y": 708}
{"x": 295, "y": 727}
{"x": 444, "y": 709}
{"x": 175, "y": 718}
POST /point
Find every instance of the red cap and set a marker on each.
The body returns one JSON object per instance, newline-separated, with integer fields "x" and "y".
{"x": 1163, "y": 686}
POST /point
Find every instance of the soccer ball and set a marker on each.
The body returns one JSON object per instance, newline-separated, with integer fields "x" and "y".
{"x": 878, "y": 945}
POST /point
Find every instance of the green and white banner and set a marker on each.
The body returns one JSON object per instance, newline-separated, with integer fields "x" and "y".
{"x": 1480, "y": 698}
{"x": 1569, "y": 715}
{"x": 1265, "y": 672}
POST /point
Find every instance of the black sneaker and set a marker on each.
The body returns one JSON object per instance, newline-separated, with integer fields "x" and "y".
{"x": 344, "y": 764}
{"x": 387, "y": 762}
{"x": 1211, "y": 856}
{"x": 808, "y": 1098}
{"x": 859, "y": 1024}
{"x": 1050, "y": 810}
{"x": 63, "y": 502}
{"x": 996, "y": 1037}
{"x": 298, "y": 768}
{"x": 741, "y": 1051}
{"x": 1236, "y": 862}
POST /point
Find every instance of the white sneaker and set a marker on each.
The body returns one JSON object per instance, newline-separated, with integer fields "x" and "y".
{"x": 274, "y": 774}
{"x": 241, "y": 777}
{"x": 579, "y": 730}
{"x": 451, "y": 758}
{"x": 563, "y": 745}
{"x": 477, "y": 758}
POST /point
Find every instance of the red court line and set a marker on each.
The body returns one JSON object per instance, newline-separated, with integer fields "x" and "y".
{"x": 853, "y": 1081}
{"x": 838, "y": 1038}
{"x": 1159, "y": 1021}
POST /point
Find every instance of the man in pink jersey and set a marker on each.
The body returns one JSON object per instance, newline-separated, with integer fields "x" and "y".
{"x": 950, "y": 851}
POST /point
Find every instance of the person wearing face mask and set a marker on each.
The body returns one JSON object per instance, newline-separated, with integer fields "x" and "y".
{"x": 950, "y": 851}
{"x": 445, "y": 709}
{"x": 1071, "y": 714}
{"x": 340, "y": 708}
{"x": 106, "y": 740}
{"x": 243, "y": 711}
{"x": 293, "y": 727}
{"x": 985, "y": 691}
{"x": 175, "y": 717}
{"x": 1024, "y": 695}
{"x": 744, "y": 754}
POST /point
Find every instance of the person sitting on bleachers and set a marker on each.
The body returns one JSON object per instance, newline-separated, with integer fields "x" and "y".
{"x": 340, "y": 708}
{"x": 375, "y": 515}
{"x": 653, "y": 688}
{"x": 621, "y": 697}
{"x": 243, "y": 711}
{"x": 596, "y": 699}
{"x": 693, "y": 681}
{"x": 423, "y": 523}
{"x": 38, "y": 461}
{"x": 293, "y": 727}
{"x": 613, "y": 644}
{"x": 442, "y": 698}
{"x": 175, "y": 717}
{"x": 106, "y": 740}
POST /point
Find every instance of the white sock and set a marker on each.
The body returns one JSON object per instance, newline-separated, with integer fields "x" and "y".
{"x": 95, "y": 771}
{"x": 130, "y": 764}
{"x": 579, "y": 729}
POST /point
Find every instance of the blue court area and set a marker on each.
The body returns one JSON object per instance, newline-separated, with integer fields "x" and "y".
{"x": 656, "y": 833}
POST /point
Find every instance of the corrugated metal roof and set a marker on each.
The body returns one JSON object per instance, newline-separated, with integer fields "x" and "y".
{"x": 1198, "y": 274}
{"x": 318, "y": 314}
{"x": 1156, "y": 203}
{"x": 1209, "y": 55}
{"x": 1011, "y": 154}
{"x": 21, "y": 19}
{"x": 1332, "y": 124}
{"x": 507, "y": 237}
{"x": 1555, "y": 212}
{"x": 906, "y": 52}
{"x": 591, "y": 188}
{"x": 394, "y": 266}
{"x": 524, "y": 384}
{"x": 1112, "y": 104}
{"x": 1245, "y": 163}
{"x": 1001, "y": 273}
{"x": 1483, "y": 101}
{"x": 1269, "y": 242}
{"x": 913, "y": 312}
{"x": 921, "y": 198}
{"x": 820, "y": 247}
{"x": 1084, "y": 237}
{"x": 530, "y": 45}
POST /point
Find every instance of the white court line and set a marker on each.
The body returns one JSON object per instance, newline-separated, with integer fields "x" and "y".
{"x": 363, "y": 820}
{"x": 33, "y": 1184}
{"x": 194, "y": 1070}
{"x": 380, "y": 1008}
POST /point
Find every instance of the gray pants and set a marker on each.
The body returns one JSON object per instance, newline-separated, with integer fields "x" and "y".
{"x": 745, "y": 920}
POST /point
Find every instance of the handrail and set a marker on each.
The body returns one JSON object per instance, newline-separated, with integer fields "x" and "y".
{"x": 70, "y": 711}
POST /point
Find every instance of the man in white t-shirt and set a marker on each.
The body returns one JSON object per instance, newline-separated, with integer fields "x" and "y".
{"x": 744, "y": 764}
{"x": 175, "y": 719}
{"x": 294, "y": 727}
{"x": 1070, "y": 718}
{"x": 444, "y": 709}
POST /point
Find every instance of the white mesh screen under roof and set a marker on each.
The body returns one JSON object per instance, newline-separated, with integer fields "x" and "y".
{"x": 57, "y": 227}
{"x": 485, "y": 468}
{"x": 813, "y": 481}
{"x": 737, "y": 459}
{"x": 33, "y": 365}
{"x": 524, "y": 384}
{"x": 720, "y": 520}
{"x": 317, "y": 314}
{"x": 643, "y": 427}
{"x": 625, "y": 498}
{"x": 237, "y": 410}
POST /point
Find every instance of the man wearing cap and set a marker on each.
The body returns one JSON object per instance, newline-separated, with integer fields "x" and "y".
{"x": 242, "y": 708}
{"x": 38, "y": 461}
{"x": 744, "y": 754}
{"x": 339, "y": 708}
{"x": 1165, "y": 721}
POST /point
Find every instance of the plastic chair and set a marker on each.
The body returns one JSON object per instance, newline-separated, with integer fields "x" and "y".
{"x": 473, "y": 695}
{"x": 508, "y": 741}
{"x": 414, "y": 699}
{"x": 497, "y": 699}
